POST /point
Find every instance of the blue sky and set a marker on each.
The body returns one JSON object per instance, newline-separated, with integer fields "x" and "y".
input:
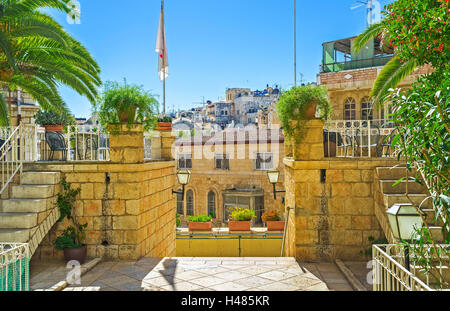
{"x": 212, "y": 44}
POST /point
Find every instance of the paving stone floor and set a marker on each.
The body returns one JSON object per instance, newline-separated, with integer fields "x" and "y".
{"x": 198, "y": 274}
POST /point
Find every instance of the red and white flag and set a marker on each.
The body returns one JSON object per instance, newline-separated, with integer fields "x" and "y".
{"x": 161, "y": 48}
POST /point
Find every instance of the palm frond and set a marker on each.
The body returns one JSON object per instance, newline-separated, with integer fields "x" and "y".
{"x": 371, "y": 32}
{"x": 390, "y": 76}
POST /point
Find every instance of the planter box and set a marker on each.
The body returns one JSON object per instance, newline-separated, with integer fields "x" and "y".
{"x": 275, "y": 225}
{"x": 164, "y": 126}
{"x": 78, "y": 254}
{"x": 200, "y": 226}
{"x": 239, "y": 225}
{"x": 53, "y": 128}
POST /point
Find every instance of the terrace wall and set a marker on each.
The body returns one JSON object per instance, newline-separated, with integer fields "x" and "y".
{"x": 333, "y": 201}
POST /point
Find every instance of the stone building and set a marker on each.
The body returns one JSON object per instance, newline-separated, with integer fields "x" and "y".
{"x": 21, "y": 106}
{"x": 349, "y": 78}
{"x": 230, "y": 169}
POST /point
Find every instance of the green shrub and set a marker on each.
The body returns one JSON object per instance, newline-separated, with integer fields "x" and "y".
{"x": 294, "y": 104}
{"x": 178, "y": 220}
{"x": 129, "y": 99}
{"x": 200, "y": 218}
{"x": 165, "y": 119}
{"x": 43, "y": 117}
{"x": 242, "y": 214}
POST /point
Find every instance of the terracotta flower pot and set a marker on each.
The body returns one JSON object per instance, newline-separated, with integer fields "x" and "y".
{"x": 54, "y": 128}
{"x": 164, "y": 126}
{"x": 124, "y": 117}
{"x": 239, "y": 225}
{"x": 78, "y": 254}
{"x": 200, "y": 226}
{"x": 310, "y": 113}
{"x": 275, "y": 225}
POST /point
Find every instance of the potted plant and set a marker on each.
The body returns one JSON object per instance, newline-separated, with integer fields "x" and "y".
{"x": 72, "y": 238}
{"x": 299, "y": 105}
{"x": 200, "y": 223}
{"x": 273, "y": 220}
{"x": 164, "y": 124}
{"x": 241, "y": 219}
{"x": 51, "y": 121}
{"x": 126, "y": 104}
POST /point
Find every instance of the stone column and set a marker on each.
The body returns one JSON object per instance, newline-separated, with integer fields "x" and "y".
{"x": 311, "y": 146}
{"x": 126, "y": 144}
{"x": 167, "y": 141}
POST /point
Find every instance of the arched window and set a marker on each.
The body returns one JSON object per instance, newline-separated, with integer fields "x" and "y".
{"x": 212, "y": 204}
{"x": 366, "y": 109}
{"x": 350, "y": 109}
{"x": 190, "y": 203}
{"x": 180, "y": 209}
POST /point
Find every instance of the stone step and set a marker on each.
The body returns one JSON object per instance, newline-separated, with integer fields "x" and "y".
{"x": 18, "y": 220}
{"x": 394, "y": 198}
{"x": 40, "y": 178}
{"x": 14, "y": 235}
{"x": 389, "y": 173}
{"x": 24, "y": 205}
{"x": 33, "y": 191}
{"x": 387, "y": 187}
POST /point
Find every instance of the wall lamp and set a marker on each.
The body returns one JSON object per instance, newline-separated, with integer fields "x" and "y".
{"x": 183, "y": 177}
{"x": 273, "y": 176}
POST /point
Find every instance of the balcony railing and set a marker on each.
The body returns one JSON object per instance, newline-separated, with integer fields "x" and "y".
{"x": 14, "y": 267}
{"x": 355, "y": 64}
{"x": 359, "y": 138}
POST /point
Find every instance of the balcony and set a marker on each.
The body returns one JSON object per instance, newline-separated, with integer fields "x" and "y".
{"x": 338, "y": 55}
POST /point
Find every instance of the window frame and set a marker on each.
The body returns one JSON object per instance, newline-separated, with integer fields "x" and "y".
{"x": 190, "y": 193}
{"x": 350, "y": 106}
{"x": 184, "y": 157}
{"x": 224, "y": 161}
{"x": 263, "y": 167}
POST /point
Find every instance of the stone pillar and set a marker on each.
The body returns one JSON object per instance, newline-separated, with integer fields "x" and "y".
{"x": 167, "y": 141}
{"x": 311, "y": 146}
{"x": 127, "y": 144}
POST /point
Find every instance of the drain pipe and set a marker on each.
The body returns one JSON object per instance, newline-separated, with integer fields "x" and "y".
{"x": 285, "y": 230}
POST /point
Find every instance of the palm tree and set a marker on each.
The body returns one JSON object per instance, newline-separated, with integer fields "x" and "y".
{"x": 37, "y": 55}
{"x": 392, "y": 73}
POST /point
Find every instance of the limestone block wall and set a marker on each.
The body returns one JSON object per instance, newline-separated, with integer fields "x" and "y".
{"x": 334, "y": 201}
{"x": 129, "y": 208}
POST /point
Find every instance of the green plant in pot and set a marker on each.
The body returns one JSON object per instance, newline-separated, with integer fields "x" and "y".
{"x": 273, "y": 220}
{"x": 72, "y": 238}
{"x": 241, "y": 219}
{"x": 299, "y": 105}
{"x": 52, "y": 121}
{"x": 200, "y": 223}
{"x": 126, "y": 104}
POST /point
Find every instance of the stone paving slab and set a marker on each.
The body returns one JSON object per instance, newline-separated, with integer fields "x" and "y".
{"x": 230, "y": 274}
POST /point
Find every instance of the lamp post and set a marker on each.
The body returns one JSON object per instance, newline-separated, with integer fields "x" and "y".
{"x": 273, "y": 176}
{"x": 404, "y": 219}
{"x": 183, "y": 177}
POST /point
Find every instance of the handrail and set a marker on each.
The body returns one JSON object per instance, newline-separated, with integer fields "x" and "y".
{"x": 11, "y": 157}
{"x": 390, "y": 275}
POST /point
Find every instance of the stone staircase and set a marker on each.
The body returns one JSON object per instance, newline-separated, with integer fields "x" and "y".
{"x": 29, "y": 212}
{"x": 388, "y": 195}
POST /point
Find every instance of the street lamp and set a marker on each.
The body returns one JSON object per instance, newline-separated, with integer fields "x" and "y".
{"x": 273, "y": 176}
{"x": 404, "y": 219}
{"x": 183, "y": 177}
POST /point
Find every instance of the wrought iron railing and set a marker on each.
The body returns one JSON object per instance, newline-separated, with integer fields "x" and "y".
{"x": 389, "y": 273}
{"x": 359, "y": 138}
{"x": 14, "y": 267}
{"x": 10, "y": 158}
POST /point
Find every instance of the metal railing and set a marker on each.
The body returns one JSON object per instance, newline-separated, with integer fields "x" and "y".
{"x": 390, "y": 275}
{"x": 10, "y": 158}
{"x": 14, "y": 267}
{"x": 355, "y": 64}
{"x": 359, "y": 138}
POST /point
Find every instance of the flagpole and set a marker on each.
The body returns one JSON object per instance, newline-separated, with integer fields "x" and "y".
{"x": 164, "y": 65}
{"x": 295, "y": 42}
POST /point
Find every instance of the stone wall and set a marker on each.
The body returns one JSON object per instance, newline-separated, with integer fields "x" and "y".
{"x": 131, "y": 216}
{"x": 333, "y": 200}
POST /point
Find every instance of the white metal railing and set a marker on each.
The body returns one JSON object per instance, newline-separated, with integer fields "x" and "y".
{"x": 10, "y": 155}
{"x": 390, "y": 275}
{"x": 358, "y": 138}
{"x": 14, "y": 267}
